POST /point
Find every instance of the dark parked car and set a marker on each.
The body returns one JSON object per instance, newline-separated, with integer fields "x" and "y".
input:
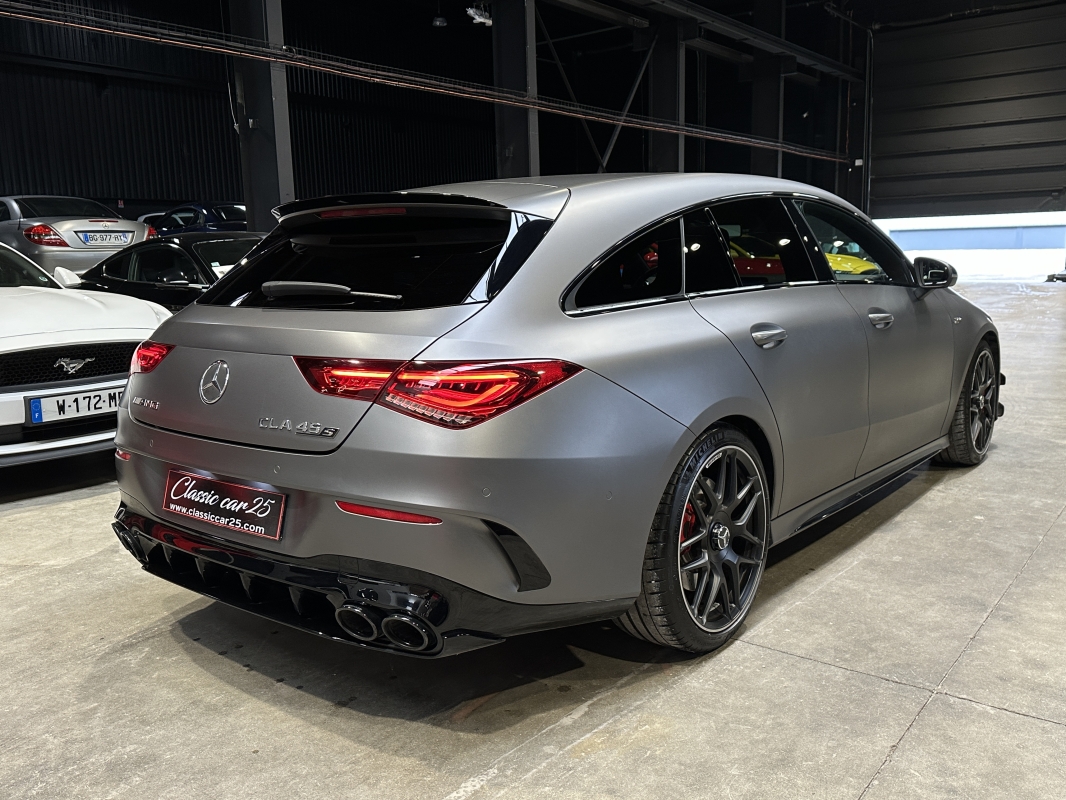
{"x": 196, "y": 217}
{"x": 173, "y": 270}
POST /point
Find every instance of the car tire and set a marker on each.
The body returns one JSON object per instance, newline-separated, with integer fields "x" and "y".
{"x": 707, "y": 548}
{"x": 976, "y": 412}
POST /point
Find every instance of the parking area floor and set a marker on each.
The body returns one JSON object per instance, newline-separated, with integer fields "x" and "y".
{"x": 915, "y": 649}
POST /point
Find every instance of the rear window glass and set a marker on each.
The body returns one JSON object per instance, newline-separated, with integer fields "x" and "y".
{"x": 62, "y": 207}
{"x": 230, "y": 213}
{"x": 224, "y": 253}
{"x": 401, "y": 260}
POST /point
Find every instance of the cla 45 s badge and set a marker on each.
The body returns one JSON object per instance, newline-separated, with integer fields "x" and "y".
{"x": 303, "y": 429}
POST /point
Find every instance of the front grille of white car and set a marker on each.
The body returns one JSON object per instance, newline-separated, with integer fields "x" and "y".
{"x": 64, "y": 364}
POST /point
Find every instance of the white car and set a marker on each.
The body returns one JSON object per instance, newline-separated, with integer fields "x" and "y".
{"x": 64, "y": 361}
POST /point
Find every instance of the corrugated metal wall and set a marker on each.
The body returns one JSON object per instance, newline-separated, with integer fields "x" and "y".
{"x": 349, "y": 136}
{"x": 111, "y": 118}
{"x": 970, "y": 116}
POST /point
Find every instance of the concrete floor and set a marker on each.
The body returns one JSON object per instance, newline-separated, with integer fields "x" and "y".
{"x": 916, "y": 649}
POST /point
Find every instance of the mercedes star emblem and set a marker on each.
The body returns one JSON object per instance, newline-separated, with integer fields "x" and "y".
{"x": 213, "y": 383}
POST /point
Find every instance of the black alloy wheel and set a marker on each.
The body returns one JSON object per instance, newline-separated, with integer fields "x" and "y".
{"x": 976, "y": 412}
{"x": 707, "y": 548}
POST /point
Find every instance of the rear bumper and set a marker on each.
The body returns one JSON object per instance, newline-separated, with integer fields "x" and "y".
{"x": 305, "y": 593}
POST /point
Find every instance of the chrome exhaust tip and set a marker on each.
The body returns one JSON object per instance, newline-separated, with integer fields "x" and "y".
{"x": 406, "y": 632}
{"x": 129, "y": 541}
{"x": 359, "y": 622}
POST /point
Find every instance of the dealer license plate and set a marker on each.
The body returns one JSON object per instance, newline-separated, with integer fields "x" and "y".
{"x": 232, "y": 506}
{"x": 111, "y": 237}
{"x": 69, "y": 406}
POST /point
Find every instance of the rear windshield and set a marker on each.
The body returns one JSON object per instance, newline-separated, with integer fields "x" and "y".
{"x": 223, "y": 253}
{"x": 230, "y": 213}
{"x": 400, "y": 260}
{"x": 63, "y": 207}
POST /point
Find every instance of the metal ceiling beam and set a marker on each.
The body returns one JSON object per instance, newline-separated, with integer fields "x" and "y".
{"x": 144, "y": 30}
{"x": 719, "y": 51}
{"x": 590, "y": 8}
{"x": 760, "y": 40}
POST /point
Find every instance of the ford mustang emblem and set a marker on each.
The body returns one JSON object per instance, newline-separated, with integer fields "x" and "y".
{"x": 72, "y": 365}
{"x": 214, "y": 381}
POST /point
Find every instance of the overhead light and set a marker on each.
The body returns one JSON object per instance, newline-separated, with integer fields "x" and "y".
{"x": 440, "y": 22}
{"x": 480, "y": 14}
{"x": 838, "y": 243}
{"x": 783, "y": 242}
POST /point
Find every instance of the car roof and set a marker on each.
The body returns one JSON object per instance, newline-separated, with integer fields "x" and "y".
{"x": 699, "y": 186}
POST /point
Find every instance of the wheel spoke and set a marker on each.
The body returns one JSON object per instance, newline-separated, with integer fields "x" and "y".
{"x": 701, "y": 515}
{"x": 685, "y": 545}
{"x": 701, "y": 587}
{"x": 699, "y": 563}
{"x": 716, "y": 585}
{"x": 708, "y": 492}
{"x": 745, "y": 517}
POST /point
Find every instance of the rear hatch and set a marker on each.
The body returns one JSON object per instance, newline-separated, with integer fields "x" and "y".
{"x": 410, "y": 269}
{"x": 82, "y": 224}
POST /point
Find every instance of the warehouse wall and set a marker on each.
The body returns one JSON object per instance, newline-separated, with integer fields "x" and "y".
{"x": 969, "y": 116}
{"x": 112, "y": 118}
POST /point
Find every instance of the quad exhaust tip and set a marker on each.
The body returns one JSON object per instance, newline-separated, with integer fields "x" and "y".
{"x": 406, "y": 632}
{"x": 359, "y": 622}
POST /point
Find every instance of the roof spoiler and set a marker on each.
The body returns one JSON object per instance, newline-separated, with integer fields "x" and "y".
{"x": 377, "y": 199}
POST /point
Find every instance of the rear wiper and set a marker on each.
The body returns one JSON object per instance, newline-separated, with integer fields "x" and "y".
{"x": 308, "y": 288}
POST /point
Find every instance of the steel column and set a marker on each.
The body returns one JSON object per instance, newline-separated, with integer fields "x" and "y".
{"x": 262, "y": 100}
{"x": 514, "y": 54}
{"x": 666, "y": 152}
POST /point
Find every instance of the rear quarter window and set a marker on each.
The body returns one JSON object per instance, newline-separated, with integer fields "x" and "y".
{"x": 648, "y": 267}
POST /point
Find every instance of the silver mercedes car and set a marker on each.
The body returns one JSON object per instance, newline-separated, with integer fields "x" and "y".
{"x": 426, "y": 421}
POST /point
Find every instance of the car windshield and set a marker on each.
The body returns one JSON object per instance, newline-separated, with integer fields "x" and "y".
{"x": 230, "y": 213}
{"x": 224, "y": 253}
{"x": 63, "y": 207}
{"x": 398, "y": 259}
{"x": 17, "y": 271}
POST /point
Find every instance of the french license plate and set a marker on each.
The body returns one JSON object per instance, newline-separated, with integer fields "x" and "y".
{"x": 69, "y": 406}
{"x": 111, "y": 237}
{"x": 232, "y": 506}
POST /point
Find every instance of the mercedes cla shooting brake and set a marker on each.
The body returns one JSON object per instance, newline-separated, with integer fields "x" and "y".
{"x": 425, "y": 421}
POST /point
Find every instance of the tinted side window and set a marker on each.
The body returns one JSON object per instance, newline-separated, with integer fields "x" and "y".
{"x": 646, "y": 268}
{"x": 5, "y": 213}
{"x": 163, "y": 264}
{"x": 118, "y": 268}
{"x": 763, "y": 242}
{"x": 707, "y": 266}
{"x": 854, "y": 251}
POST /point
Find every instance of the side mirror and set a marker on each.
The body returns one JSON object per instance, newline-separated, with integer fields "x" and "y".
{"x": 66, "y": 278}
{"x": 934, "y": 274}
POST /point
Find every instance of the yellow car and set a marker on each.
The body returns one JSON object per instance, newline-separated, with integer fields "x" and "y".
{"x": 851, "y": 265}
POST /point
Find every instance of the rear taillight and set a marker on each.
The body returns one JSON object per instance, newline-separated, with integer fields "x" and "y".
{"x": 44, "y": 234}
{"x": 148, "y": 355}
{"x": 460, "y": 395}
{"x": 449, "y": 394}
{"x": 347, "y": 377}
{"x": 152, "y": 233}
{"x": 121, "y": 454}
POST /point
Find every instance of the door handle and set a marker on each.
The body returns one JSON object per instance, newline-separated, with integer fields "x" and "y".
{"x": 882, "y": 321}
{"x": 769, "y": 337}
